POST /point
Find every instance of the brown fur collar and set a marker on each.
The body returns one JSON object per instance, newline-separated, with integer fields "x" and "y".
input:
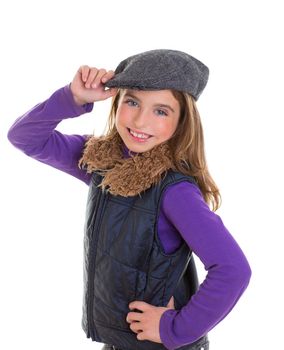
{"x": 125, "y": 176}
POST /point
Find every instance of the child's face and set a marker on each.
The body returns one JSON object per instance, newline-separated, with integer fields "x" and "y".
{"x": 152, "y": 113}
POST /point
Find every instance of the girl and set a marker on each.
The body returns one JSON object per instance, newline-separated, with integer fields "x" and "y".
{"x": 148, "y": 202}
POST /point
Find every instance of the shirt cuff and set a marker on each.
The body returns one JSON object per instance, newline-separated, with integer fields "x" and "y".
{"x": 165, "y": 329}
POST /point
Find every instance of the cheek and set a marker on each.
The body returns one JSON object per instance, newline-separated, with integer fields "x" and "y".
{"x": 122, "y": 115}
{"x": 166, "y": 130}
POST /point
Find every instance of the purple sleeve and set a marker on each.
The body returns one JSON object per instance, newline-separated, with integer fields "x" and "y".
{"x": 228, "y": 269}
{"x": 34, "y": 133}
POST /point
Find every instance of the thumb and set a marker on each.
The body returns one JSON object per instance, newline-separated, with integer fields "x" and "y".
{"x": 171, "y": 304}
{"x": 110, "y": 92}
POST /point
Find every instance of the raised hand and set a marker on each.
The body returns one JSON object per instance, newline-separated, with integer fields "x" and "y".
{"x": 88, "y": 85}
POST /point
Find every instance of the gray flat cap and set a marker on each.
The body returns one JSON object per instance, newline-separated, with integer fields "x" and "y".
{"x": 161, "y": 69}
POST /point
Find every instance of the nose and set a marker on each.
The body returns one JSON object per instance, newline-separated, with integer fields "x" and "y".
{"x": 141, "y": 119}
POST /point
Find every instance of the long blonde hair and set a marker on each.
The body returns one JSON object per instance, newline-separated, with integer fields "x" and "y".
{"x": 187, "y": 145}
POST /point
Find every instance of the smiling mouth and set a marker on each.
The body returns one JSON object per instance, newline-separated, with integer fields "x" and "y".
{"x": 141, "y": 136}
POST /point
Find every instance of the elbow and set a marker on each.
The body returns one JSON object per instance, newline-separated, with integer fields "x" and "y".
{"x": 241, "y": 274}
{"x": 246, "y": 271}
{"x": 247, "y": 275}
{"x": 13, "y": 134}
{"x": 234, "y": 275}
{"x": 18, "y": 139}
{"x": 13, "y": 137}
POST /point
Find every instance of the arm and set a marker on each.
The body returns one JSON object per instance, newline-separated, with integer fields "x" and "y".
{"x": 228, "y": 269}
{"x": 34, "y": 133}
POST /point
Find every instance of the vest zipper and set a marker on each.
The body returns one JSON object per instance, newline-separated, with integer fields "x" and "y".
{"x": 92, "y": 258}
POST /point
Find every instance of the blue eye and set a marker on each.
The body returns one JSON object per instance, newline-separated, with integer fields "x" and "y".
{"x": 161, "y": 112}
{"x": 131, "y": 103}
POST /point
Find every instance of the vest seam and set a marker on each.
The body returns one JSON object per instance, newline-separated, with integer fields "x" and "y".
{"x": 148, "y": 211}
{"x": 103, "y": 324}
{"x": 113, "y": 327}
{"x": 166, "y": 280}
{"x": 156, "y": 235}
{"x": 118, "y": 261}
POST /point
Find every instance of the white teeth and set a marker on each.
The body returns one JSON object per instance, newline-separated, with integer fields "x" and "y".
{"x": 141, "y": 136}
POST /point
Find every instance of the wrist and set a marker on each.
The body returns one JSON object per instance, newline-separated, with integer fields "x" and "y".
{"x": 78, "y": 101}
{"x": 77, "y": 109}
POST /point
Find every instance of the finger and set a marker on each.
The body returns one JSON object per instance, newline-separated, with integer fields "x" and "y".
{"x": 92, "y": 75}
{"x": 99, "y": 76}
{"x": 110, "y": 93}
{"x": 141, "y": 336}
{"x": 136, "y": 327}
{"x": 84, "y": 70}
{"x": 139, "y": 305}
{"x": 107, "y": 76}
{"x": 133, "y": 317}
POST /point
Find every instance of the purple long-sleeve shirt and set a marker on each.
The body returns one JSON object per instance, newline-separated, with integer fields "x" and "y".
{"x": 184, "y": 215}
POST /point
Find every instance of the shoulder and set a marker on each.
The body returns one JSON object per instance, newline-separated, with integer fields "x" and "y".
{"x": 175, "y": 181}
{"x": 182, "y": 189}
{"x": 183, "y": 196}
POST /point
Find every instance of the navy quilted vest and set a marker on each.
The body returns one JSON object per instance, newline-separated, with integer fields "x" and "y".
{"x": 124, "y": 261}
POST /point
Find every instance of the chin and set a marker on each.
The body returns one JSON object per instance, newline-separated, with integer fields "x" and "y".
{"x": 138, "y": 148}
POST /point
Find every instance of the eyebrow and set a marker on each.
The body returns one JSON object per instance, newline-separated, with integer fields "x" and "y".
{"x": 156, "y": 105}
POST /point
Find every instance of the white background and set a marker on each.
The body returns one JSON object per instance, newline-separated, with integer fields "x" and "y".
{"x": 42, "y": 209}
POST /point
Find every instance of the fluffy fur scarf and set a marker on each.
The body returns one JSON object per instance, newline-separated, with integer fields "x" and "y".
{"x": 125, "y": 176}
